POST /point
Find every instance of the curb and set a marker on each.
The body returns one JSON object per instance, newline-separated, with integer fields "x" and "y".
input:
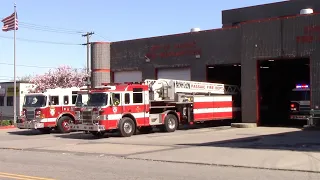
{"x": 7, "y": 127}
{"x": 244, "y": 125}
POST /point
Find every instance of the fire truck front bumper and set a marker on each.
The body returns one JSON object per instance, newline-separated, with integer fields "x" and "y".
{"x": 87, "y": 127}
{"x": 29, "y": 125}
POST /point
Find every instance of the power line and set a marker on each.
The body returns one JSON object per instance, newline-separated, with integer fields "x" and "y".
{"x": 38, "y": 41}
{"x": 32, "y": 66}
{"x": 55, "y": 30}
{"x": 51, "y": 28}
{"x": 45, "y": 67}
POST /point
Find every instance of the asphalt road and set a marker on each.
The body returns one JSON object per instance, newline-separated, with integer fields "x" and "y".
{"x": 23, "y": 165}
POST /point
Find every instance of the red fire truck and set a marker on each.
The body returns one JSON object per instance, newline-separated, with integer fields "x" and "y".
{"x": 164, "y": 103}
{"x": 49, "y": 110}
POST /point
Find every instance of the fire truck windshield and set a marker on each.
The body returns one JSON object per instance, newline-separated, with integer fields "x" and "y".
{"x": 97, "y": 99}
{"x": 35, "y": 101}
{"x": 82, "y": 100}
{"x": 302, "y": 95}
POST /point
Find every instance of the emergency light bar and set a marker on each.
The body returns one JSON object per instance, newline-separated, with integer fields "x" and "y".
{"x": 303, "y": 86}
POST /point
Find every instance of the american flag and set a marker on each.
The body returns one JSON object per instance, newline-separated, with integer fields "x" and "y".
{"x": 8, "y": 23}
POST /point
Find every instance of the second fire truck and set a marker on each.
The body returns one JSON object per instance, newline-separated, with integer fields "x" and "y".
{"x": 48, "y": 110}
{"x": 164, "y": 103}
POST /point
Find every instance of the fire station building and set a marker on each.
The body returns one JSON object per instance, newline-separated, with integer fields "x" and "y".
{"x": 266, "y": 50}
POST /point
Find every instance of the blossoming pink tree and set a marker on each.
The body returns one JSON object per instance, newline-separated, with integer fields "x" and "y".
{"x": 61, "y": 77}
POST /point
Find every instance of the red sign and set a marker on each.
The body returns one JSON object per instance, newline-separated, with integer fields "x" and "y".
{"x": 173, "y": 50}
{"x": 311, "y": 34}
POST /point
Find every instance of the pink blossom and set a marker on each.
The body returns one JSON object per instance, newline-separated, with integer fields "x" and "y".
{"x": 63, "y": 77}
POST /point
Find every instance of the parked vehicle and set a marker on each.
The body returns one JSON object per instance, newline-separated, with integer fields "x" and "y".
{"x": 49, "y": 110}
{"x": 164, "y": 103}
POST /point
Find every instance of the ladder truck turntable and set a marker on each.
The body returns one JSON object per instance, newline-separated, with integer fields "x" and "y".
{"x": 164, "y": 103}
{"x": 47, "y": 110}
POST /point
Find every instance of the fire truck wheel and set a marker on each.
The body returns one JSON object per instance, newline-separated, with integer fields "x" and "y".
{"x": 127, "y": 127}
{"x": 63, "y": 125}
{"x": 170, "y": 123}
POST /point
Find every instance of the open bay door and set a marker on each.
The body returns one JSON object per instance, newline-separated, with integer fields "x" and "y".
{"x": 127, "y": 76}
{"x": 174, "y": 73}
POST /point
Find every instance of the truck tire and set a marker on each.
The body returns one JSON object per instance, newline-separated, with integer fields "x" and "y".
{"x": 63, "y": 124}
{"x": 170, "y": 123}
{"x": 127, "y": 127}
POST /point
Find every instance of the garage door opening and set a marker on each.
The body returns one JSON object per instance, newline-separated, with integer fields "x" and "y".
{"x": 231, "y": 75}
{"x": 277, "y": 80}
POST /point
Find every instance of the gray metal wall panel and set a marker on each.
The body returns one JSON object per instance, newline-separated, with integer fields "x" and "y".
{"x": 128, "y": 55}
{"x": 100, "y": 63}
{"x": 217, "y": 47}
{"x": 259, "y": 41}
{"x": 295, "y": 35}
{"x": 278, "y": 9}
{"x": 315, "y": 78}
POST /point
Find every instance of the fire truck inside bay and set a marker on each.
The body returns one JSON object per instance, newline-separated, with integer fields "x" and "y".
{"x": 164, "y": 103}
{"x": 49, "y": 110}
{"x": 300, "y": 102}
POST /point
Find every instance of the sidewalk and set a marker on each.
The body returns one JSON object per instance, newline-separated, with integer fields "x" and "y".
{"x": 265, "y": 159}
{"x": 293, "y": 150}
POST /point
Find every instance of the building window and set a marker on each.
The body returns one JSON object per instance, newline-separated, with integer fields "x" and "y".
{"x": 10, "y": 101}
{"x": 1, "y": 100}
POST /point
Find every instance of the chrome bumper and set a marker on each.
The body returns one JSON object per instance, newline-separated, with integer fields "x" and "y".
{"x": 30, "y": 125}
{"x": 87, "y": 127}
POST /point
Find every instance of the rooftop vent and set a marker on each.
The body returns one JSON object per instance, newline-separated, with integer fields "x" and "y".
{"x": 195, "y": 30}
{"x": 306, "y": 11}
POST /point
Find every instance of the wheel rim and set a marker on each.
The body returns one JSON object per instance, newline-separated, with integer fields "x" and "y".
{"x": 66, "y": 125}
{"x": 171, "y": 123}
{"x": 127, "y": 127}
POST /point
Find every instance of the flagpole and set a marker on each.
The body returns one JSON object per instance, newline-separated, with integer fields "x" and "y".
{"x": 14, "y": 69}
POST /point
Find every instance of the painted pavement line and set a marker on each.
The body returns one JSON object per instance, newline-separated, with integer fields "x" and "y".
{"x": 22, "y": 177}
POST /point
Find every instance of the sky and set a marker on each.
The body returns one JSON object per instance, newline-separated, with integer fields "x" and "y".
{"x": 50, "y": 32}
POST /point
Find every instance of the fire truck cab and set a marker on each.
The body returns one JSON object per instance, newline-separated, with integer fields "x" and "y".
{"x": 48, "y": 110}
{"x": 300, "y": 102}
{"x": 164, "y": 103}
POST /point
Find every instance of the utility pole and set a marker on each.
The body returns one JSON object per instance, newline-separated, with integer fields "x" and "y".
{"x": 88, "y": 35}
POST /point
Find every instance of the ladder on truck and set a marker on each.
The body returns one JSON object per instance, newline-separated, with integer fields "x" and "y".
{"x": 167, "y": 88}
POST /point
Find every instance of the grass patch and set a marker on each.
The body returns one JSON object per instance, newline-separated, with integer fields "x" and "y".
{"x": 5, "y": 122}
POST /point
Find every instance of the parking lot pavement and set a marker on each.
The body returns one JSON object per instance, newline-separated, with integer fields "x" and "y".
{"x": 268, "y": 148}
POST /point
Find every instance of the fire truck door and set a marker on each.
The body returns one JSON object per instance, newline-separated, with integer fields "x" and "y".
{"x": 66, "y": 107}
{"x": 146, "y": 107}
{"x": 55, "y": 106}
{"x": 117, "y": 106}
